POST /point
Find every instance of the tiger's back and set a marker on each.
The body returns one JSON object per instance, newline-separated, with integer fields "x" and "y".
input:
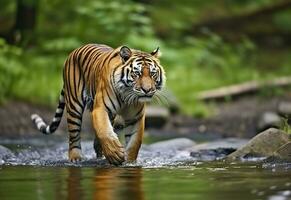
{"x": 84, "y": 70}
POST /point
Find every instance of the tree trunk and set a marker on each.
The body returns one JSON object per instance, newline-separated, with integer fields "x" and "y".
{"x": 25, "y": 22}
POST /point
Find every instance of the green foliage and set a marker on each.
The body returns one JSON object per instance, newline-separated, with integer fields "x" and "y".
{"x": 285, "y": 125}
{"x": 10, "y": 68}
{"x": 192, "y": 64}
{"x": 60, "y": 44}
{"x": 206, "y": 64}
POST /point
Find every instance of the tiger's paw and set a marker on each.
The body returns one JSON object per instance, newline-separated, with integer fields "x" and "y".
{"x": 75, "y": 155}
{"x": 113, "y": 150}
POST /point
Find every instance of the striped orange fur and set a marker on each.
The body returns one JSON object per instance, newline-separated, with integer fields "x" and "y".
{"x": 111, "y": 83}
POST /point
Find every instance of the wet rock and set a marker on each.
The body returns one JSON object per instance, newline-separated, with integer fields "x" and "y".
{"x": 262, "y": 145}
{"x": 211, "y": 154}
{"x": 173, "y": 144}
{"x": 5, "y": 153}
{"x": 217, "y": 149}
{"x": 228, "y": 143}
{"x": 284, "y": 152}
{"x": 156, "y": 116}
{"x": 269, "y": 120}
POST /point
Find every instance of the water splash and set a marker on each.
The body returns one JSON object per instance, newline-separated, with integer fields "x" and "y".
{"x": 57, "y": 156}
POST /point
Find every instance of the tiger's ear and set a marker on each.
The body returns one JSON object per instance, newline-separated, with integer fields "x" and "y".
{"x": 156, "y": 53}
{"x": 125, "y": 53}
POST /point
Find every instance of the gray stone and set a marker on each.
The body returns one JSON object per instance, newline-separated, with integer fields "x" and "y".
{"x": 217, "y": 149}
{"x": 5, "y": 153}
{"x": 172, "y": 144}
{"x": 284, "y": 152}
{"x": 269, "y": 120}
{"x": 284, "y": 108}
{"x": 156, "y": 116}
{"x": 264, "y": 144}
{"x": 211, "y": 154}
{"x": 233, "y": 143}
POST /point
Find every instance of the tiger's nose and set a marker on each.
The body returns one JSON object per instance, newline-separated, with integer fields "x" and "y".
{"x": 146, "y": 90}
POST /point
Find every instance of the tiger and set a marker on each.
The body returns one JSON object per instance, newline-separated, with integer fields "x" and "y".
{"x": 112, "y": 84}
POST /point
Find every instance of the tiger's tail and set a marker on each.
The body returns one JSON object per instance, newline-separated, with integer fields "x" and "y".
{"x": 51, "y": 128}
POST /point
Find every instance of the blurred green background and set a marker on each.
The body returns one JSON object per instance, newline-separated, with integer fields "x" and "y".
{"x": 205, "y": 44}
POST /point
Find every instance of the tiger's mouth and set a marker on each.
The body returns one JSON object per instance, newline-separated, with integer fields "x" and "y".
{"x": 145, "y": 98}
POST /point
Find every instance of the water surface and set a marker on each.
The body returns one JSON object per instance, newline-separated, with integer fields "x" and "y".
{"x": 41, "y": 171}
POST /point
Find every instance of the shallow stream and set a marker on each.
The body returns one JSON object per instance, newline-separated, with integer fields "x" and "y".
{"x": 39, "y": 169}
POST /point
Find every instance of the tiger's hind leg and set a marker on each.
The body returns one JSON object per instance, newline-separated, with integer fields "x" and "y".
{"x": 74, "y": 120}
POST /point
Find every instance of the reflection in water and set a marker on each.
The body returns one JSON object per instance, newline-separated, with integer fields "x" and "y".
{"x": 117, "y": 182}
{"x": 208, "y": 181}
{"x": 74, "y": 184}
{"x": 106, "y": 184}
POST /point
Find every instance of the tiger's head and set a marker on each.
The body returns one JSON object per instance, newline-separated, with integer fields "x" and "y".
{"x": 141, "y": 76}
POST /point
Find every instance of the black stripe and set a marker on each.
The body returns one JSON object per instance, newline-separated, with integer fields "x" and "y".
{"x": 73, "y": 108}
{"x": 58, "y": 115}
{"x": 75, "y": 146}
{"x": 69, "y": 88}
{"x": 75, "y": 138}
{"x": 148, "y": 60}
{"x": 43, "y": 129}
{"x": 139, "y": 112}
{"x": 74, "y": 130}
{"x": 87, "y": 65}
{"x": 110, "y": 114}
{"x": 114, "y": 89}
{"x": 54, "y": 126}
{"x": 74, "y": 82}
{"x": 112, "y": 103}
{"x": 72, "y": 114}
{"x": 87, "y": 68}
{"x": 72, "y": 122}
{"x": 80, "y": 52}
{"x": 115, "y": 54}
{"x": 132, "y": 122}
{"x": 61, "y": 105}
{"x": 135, "y": 120}
{"x": 122, "y": 75}
{"x": 88, "y": 52}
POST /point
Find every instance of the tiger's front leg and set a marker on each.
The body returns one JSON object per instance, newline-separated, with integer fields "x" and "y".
{"x": 110, "y": 144}
{"x": 133, "y": 138}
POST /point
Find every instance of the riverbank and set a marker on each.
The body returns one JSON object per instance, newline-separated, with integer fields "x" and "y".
{"x": 242, "y": 118}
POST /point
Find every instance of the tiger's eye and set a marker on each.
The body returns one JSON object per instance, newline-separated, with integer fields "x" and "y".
{"x": 136, "y": 73}
{"x": 153, "y": 73}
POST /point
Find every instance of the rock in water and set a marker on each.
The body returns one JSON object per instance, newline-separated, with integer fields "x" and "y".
{"x": 284, "y": 152}
{"x": 262, "y": 145}
{"x": 211, "y": 154}
{"x": 231, "y": 143}
{"x": 217, "y": 149}
{"x": 173, "y": 144}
